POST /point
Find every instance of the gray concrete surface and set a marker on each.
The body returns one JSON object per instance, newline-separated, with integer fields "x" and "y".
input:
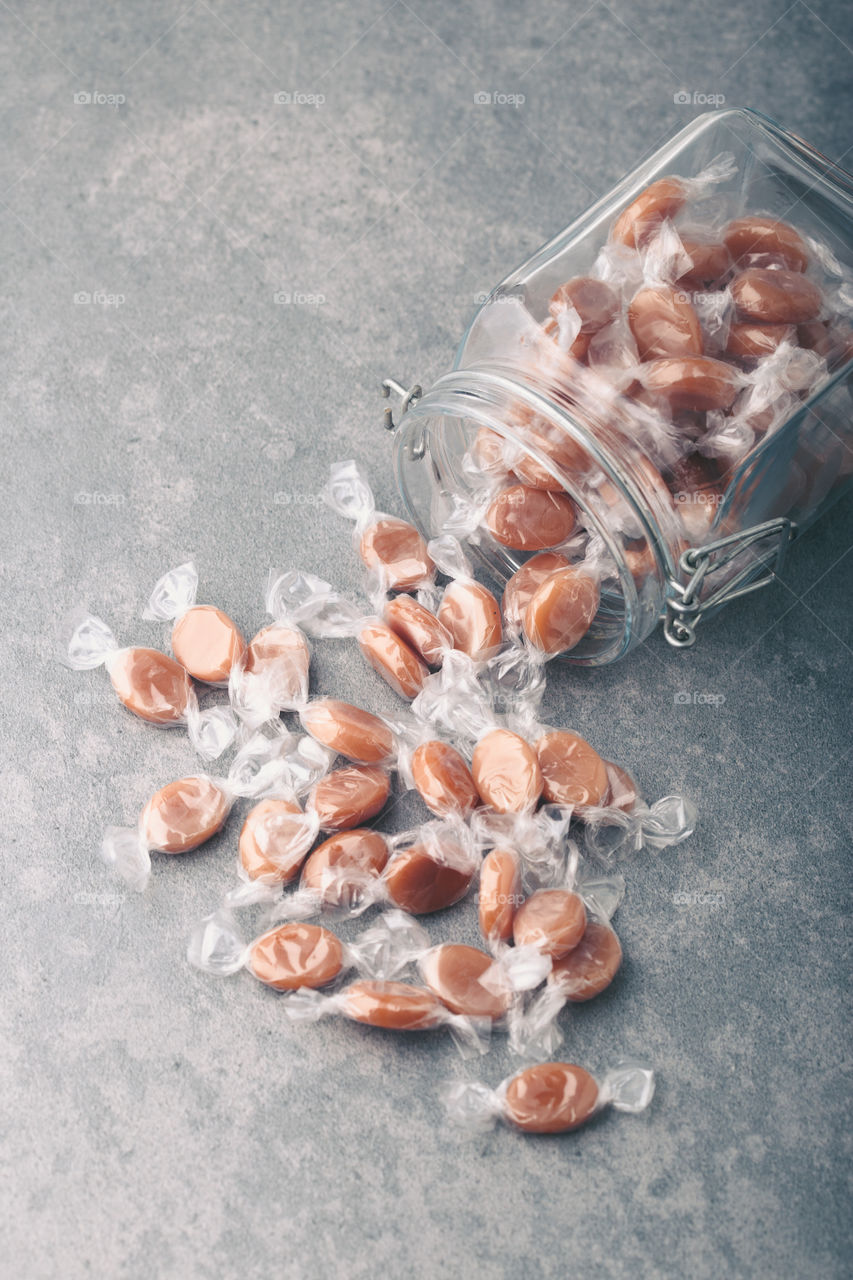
{"x": 160, "y": 1123}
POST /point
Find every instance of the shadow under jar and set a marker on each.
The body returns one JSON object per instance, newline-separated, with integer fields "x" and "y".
{"x": 678, "y": 362}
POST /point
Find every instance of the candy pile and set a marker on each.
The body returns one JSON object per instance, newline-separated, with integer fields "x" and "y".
{"x": 699, "y": 330}
{"x": 530, "y": 814}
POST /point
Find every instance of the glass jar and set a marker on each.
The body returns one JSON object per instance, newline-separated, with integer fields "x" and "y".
{"x": 689, "y": 498}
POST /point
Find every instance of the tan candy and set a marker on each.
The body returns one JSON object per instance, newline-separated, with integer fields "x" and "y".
{"x": 552, "y": 1097}
{"x": 419, "y": 628}
{"x": 278, "y": 657}
{"x": 506, "y": 772}
{"x": 207, "y": 643}
{"x": 622, "y": 792}
{"x": 152, "y": 686}
{"x": 692, "y": 383}
{"x": 750, "y": 340}
{"x": 183, "y": 814}
{"x": 394, "y": 1006}
{"x": 274, "y": 840}
{"x": 567, "y": 455}
{"x": 418, "y": 882}
{"x": 554, "y": 920}
{"x": 591, "y": 967}
{"x": 500, "y": 894}
{"x": 594, "y": 301}
{"x": 529, "y": 519}
{"x": 745, "y": 237}
{"x": 443, "y": 779}
{"x": 472, "y": 617}
{"x": 643, "y": 216}
{"x": 396, "y": 550}
{"x": 709, "y": 263}
{"x": 664, "y": 323}
{"x": 296, "y": 955}
{"x": 776, "y": 297}
{"x": 351, "y": 731}
{"x": 573, "y": 773}
{"x": 349, "y": 797}
{"x": 453, "y": 973}
{"x": 342, "y": 863}
{"x": 561, "y": 610}
{"x": 521, "y": 586}
{"x": 392, "y": 659}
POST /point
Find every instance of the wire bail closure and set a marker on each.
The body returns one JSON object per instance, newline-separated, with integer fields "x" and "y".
{"x": 407, "y": 398}
{"x": 684, "y": 608}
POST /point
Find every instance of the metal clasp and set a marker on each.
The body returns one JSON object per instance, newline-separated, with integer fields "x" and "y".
{"x": 407, "y": 398}
{"x": 684, "y": 609}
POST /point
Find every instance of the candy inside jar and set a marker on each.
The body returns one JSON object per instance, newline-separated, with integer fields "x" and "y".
{"x": 670, "y": 372}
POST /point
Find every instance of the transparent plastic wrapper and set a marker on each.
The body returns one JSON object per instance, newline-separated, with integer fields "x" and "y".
{"x": 473, "y": 983}
{"x": 296, "y": 955}
{"x": 523, "y": 853}
{"x": 389, "y": 547}
{"x": 550, "y": 1097}
{"x": 205, "y": 641}
{"x": 468, "y": 610}
{"x": 185, "y": 813}
{"x": 328, "y": 614}
{"x": 439, "y": 772}
{"x": 150, "y": 684}
{"x": 273, "y": 673}
{"x": 391, "y": 1006}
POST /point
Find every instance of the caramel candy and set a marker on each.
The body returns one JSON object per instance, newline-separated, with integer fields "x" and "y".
{"x": 342, "y": 863}
{"x": 398, "y": 552}
{"x": 664, "y": 323}
{"x": 349, "y": 797}
{"x": 745, "y": 237}
{"x": 749, "y": 340}
{"x": 392, "y": 659}
{"x": 528, "y": 519}
{"x": 594, "y": 301}
{"x": 573, "y": 773}
{"x": 274, "y": 840}
{"x": 506, "y": 772}
{"x": 351, "y": 731}
{"x": 207, "y": 643}
{"x": 471, "y": 615}
{"x": 443, "y": 779}
{"x": 698, "y": 491}
{"x": 692, "y": 383}
{"x": 394, "y": 1006}
{"x": 622, "y": 792}
{"x": 419, "y": 883}
{"x": 643, "y": 216}
{"x": 561, "y": 610}
{"x": 566, "y": 454}
{"x": 183, "y": 814}
{"x": 419, "y": 628}
{"x": 591, "y": 967}
{"x": 152, "y": 686}
{"x": 278, "y": 658}
{"x": 521, "y": 587}
{"x": 554, "y": 920}
{"x": 453, "y": 973}
{"x": 578, "y": 350}
{"x": 500, "y": 894}
{"x": 552, "y": 1097}
{"x": 776, "y": 297}
{"x": 296, "y": 955}
{"x": 709, "y": 263}
{"x": 487, "y": 452}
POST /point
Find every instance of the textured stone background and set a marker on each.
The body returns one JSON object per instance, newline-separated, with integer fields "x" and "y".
{"x": 158, "y": 1122}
